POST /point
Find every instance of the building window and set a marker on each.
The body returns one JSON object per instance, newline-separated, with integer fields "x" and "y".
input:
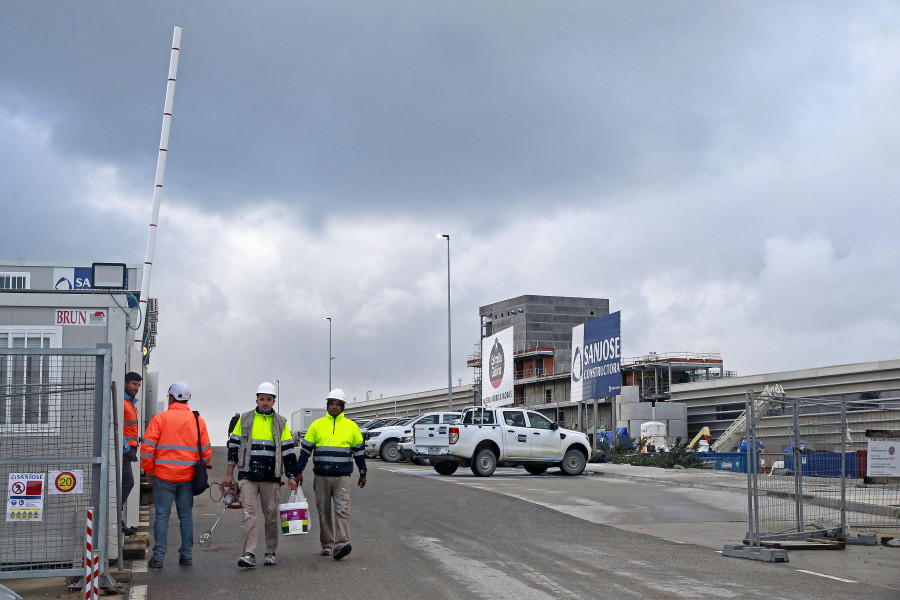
{"x": 27, "y": 403}
{"x": 15, "y": 281}
{"x": 548, "y": 396}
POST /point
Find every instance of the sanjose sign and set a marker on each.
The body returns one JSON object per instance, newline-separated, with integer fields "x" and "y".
{"x": 597, "y": 358}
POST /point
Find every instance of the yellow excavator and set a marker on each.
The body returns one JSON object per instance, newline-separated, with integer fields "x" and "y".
{"x": 703, "y": 434}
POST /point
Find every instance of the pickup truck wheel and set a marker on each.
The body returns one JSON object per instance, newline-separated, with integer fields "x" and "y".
{"x": 536, "y": 469}
{"x": 484, "y": 463}
{"x": 390, "y": 452}
{"x": 445, "y": 467}
{"x": 573, "y": 462}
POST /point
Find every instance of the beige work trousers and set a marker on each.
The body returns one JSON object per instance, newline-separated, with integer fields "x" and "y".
{"x": 333, "y": 506}
{"x": 253, "y": 495}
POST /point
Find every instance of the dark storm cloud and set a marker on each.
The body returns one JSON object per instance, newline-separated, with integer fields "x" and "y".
{"x": 724, "y": 173}
{"x": 416, "y": 105}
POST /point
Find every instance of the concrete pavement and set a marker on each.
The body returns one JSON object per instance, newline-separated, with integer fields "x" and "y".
{"x": 701, "y": 507}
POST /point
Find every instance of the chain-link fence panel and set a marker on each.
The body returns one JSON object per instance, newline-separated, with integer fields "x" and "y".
{"x": 54, "y": 451}
{"x": 812, "y": 461}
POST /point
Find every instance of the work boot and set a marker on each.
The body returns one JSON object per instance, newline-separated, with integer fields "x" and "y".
{"x": 184, "y": 561}
{"x": 270, "y": 559}
{"x": 155, "y": 563}
{"x": 326, "y": 551}
{"x": 342, "y": 550}
{"x": 247, "y": 560}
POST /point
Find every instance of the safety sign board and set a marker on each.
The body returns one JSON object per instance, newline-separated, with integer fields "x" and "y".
{"x": 26, "y": 497}
{"x": 65, "y": 482}
{"x": 883, "y": 458}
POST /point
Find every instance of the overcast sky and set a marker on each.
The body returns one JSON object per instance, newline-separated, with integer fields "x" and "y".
{"x": 725, "y": 173}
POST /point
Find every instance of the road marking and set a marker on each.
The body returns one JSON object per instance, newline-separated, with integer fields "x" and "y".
{"x": 137, "y": 592}
{"x": 673, "y": 541}
{"x": 139, "y": 566}
{"x": 824, "y": 575}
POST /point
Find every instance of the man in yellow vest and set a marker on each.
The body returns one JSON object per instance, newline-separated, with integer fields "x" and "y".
{"x": 334, "y": 441}
{"x": 262, "y": 448}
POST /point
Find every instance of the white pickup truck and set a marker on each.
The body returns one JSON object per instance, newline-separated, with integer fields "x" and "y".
{"x": 384, "y": 441}
{"x": 485, "y": 437}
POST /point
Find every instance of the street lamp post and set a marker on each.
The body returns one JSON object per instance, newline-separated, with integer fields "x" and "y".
{"x": 278, "y": 396}
{"x": 449, "y": 361}
{"x": 330, "y": 357}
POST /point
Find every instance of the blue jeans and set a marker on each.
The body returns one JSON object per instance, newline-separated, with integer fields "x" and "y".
{"x": 164, "y": 493}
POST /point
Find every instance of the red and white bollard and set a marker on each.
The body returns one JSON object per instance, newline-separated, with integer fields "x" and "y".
{"x": 91, "y": 562}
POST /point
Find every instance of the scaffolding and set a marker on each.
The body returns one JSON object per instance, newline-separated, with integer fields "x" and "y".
{"x": 655, "y": 373}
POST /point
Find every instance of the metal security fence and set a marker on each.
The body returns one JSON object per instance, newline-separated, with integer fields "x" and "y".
{"x": 808, "y": 461}
{"x": 54, "y": 455}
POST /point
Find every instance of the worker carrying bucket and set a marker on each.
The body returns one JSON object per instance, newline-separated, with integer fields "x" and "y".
{"x": 261, "y": 453}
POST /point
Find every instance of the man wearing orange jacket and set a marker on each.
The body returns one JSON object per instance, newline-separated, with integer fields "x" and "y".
{"x": 168, "y": 454}
{"x": 130, "y": 433}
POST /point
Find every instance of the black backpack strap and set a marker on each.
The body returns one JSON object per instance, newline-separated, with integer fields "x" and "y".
{"x": 199, "y": 446}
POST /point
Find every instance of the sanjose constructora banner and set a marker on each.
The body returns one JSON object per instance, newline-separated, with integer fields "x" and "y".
{"x": 497, "y": 369}
{"x": 597, "y": 358}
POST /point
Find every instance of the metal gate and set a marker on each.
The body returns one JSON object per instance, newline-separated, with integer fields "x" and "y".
{"x": 808, "y": 461}
{"x": 55, "y": 429}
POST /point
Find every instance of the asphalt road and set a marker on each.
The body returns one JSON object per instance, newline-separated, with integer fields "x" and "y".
{"x": 420, "y": 535}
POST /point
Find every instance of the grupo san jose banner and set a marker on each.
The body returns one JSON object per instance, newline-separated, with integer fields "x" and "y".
{"x": 497, "y": 369}
{"x": 79, "y": 278}
{"x": 597, "y": 358}
{"x": 72, "y": 278}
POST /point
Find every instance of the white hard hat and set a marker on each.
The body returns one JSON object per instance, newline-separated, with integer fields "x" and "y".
{"x": 266, "y": 388}
{"x": 180, "y": 391}
{"x": 337, "y": 394}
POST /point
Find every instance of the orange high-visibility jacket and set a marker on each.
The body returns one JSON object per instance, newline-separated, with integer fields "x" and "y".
{"x": 130, "y": 428}
{"x": 169, "y": 448}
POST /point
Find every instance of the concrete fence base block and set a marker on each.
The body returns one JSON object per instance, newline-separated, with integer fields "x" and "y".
{"x": 755, "y": 553}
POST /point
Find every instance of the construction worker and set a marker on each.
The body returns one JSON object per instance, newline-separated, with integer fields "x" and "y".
{"x": 262, "y": 448}
{"x": 332, "y": 441}
{"x": 169, "y": 451}
{"x": 130, "y": 437}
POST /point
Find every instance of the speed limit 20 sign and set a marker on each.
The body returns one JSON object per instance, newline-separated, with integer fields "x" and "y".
{"x": 66, "y": 482}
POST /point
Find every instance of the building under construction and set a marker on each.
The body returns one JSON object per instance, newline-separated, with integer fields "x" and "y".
{"x": 542, "y": 348}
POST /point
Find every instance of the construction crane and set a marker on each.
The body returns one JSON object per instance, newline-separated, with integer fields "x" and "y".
{"x": 703, "y": 434}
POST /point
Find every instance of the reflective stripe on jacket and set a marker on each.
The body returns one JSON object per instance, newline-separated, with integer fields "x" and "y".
{"x": 169, "y": 448}
{"x": 334, "y": 443}
{"x": 130, "y": 424}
